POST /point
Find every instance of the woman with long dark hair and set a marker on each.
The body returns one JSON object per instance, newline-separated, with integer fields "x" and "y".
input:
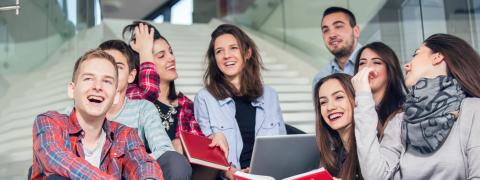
{"x": 156, "y": 83}
{"x": 334, "y": 102}
{"x": 386, "y": 81}
{"x": 435, "y": 137}
{"x": 235, "y": 106}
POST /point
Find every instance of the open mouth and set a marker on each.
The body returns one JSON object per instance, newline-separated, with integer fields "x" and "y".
{"x": 335, "y": 116}
{"x": 230, "y": 63}
{"x": 95, "y": 99}
{"x": 171, "y": 67}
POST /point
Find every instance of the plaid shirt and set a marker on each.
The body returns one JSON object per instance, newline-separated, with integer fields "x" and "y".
{"x": 57, "y": 149}
{"x": 149, "y": 83}
{"x": 149, "y": 89}
{"x": 186, "y": 117}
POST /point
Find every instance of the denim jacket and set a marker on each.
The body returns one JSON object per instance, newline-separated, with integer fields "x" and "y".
{"x": 219, "y": 116}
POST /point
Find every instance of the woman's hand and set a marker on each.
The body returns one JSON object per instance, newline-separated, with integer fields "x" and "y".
{"x": 361, "y": 80}
{"x": 218, "y": 139}
{"x": 177, "y": 145}
{"x": 143, "y": 43}
{"x": 229, "y": 173}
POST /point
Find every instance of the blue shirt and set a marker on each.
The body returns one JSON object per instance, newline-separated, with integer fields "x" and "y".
{"x": 215, "y": 116}
{"x": 333, "y": 67}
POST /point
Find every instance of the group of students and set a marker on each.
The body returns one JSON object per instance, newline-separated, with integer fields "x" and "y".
{"x": 380, "y": 125}
{"x": 127, "y": 114}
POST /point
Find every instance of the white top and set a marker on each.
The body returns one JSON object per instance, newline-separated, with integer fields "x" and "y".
{"x": 94, "y": 155}
{"x": 457, "y": 158}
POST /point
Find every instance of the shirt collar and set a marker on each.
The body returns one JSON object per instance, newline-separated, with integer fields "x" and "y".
{"x": 351, "y": 59}
{"x": 75, "y": 128}
{"x": 256, "y": 103}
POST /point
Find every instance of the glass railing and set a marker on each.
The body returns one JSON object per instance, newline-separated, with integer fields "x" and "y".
{"x": 41, "y": 27}
{"x": 402, "y": 24}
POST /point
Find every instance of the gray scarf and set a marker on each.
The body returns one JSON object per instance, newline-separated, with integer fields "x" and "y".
{"x": 428, "y": 110}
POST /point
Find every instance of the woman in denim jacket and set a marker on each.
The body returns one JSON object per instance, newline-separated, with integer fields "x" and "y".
{"x": 235, "y": 106}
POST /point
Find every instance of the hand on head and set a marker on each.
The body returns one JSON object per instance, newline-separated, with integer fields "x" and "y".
{"x": 143, "y": 43}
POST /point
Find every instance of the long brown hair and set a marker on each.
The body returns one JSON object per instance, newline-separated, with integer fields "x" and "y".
{"x": 396, "y": 89}
{"x": 329, "y": 139}
{"x": 215, "y": 81}
{"x": 463, "y": 62}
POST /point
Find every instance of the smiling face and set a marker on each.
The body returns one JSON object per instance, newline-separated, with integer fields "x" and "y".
{"x": 94, "y": 88}
{"x": 335, "y": 106}
{"x": 124, "y": 76}
{"x": 228, "y": 56}
{"x": 339, "y": 37}
{"x": 164, "y": 60}
{"x": 378, "y": 79}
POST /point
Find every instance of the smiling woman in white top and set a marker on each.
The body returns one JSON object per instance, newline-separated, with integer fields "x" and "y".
{"x": 235, "y": 105}
{"x": 436, "y": 137}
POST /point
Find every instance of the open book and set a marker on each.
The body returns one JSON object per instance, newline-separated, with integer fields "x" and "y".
{"x": 198, "y": 152}
{"x": 318, "y": 174}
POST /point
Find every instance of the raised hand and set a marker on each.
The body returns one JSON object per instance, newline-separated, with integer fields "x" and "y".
{"x": 143, "y": 43}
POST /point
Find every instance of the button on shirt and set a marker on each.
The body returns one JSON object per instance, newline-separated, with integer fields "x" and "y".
{"x": 215, "y": 116}
{"x": 333, "y": 67}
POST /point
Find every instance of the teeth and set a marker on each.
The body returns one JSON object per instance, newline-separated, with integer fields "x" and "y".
{"x": 96, "y": 99}
{"x": 170, "y": 67}
{"x": 229, "y": 63}
{"x": 335, "y": 115}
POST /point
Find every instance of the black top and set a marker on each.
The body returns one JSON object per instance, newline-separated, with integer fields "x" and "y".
{"x": 245, "y": 115}
{"x": 170, "y": 127}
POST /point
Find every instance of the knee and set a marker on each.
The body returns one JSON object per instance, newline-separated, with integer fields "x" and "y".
{"x": 175, "y": 166}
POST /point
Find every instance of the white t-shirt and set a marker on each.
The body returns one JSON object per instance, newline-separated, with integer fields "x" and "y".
{"x": 94, "y": 155}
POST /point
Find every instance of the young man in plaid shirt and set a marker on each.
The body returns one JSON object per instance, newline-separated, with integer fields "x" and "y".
{"x": 84, "y": 144}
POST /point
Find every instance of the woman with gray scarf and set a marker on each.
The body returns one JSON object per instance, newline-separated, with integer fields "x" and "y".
{"x": 436, "y": 135}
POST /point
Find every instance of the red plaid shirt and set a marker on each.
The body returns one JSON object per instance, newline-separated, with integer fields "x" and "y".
{"x": 149, "y": 83}
{"x": 149, "y": 90}
{"x": 57, "y": 149}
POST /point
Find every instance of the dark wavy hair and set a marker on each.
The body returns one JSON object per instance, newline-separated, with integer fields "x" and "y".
{"x": 128, "y": 34}
{"x": 327, "y": 138}
{"x": 395, "y": 92}
{"x": 251, "y": 85}
{"x": 463, "y": 62}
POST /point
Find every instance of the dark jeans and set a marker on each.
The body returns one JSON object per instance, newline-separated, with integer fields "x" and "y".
{"x": 175, "y": 166}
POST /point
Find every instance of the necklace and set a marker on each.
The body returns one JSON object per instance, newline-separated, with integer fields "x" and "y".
{"x": 167, "y": 118}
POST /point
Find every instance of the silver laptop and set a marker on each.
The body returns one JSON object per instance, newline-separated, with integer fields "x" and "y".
{"x": 285, "y": 155}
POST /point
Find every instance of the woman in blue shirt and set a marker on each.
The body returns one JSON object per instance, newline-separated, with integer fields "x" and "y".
{"x": 235, "y": 106}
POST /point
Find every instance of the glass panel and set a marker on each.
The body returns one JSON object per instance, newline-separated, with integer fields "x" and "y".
{"x": 474, "y": 10}
{"x": 402, "y": 24}
{"x": 8, "y": 3}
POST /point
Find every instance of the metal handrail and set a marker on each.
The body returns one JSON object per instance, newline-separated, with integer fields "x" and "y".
{"x": 16, "y": 7}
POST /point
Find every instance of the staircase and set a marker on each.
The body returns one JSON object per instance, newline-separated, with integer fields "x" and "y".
{"x": 45, "y": 88}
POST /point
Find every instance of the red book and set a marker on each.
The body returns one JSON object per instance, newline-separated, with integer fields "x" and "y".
{"x": 198, "y": 152}
{"x": 318, "y": 174}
